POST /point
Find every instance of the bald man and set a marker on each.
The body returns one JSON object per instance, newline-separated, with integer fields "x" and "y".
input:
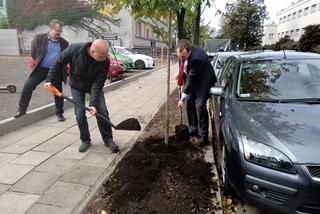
{"x": 89, "y": 66}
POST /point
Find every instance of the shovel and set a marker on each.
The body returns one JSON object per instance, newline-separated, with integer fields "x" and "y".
{"x": 182, "y": 130}
{"x": 131, "y": 124}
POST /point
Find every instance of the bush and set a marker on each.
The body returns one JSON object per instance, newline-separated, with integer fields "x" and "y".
{"x": 3, "y": 23}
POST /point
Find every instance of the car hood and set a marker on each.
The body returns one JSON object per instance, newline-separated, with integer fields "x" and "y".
{"x": 291, "y": 128}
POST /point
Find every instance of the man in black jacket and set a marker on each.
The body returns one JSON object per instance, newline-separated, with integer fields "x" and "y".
{"x": 44, "y": 49}
{"x": 89, "y": 65}
{"x": 198, "y": 78}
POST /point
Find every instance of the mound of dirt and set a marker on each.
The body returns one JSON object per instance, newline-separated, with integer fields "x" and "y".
{"x": 158, "y": 178}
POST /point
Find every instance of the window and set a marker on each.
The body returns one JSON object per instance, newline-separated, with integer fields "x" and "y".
{"x": 306, "y": 11}
{"x": 297, "y": 33}
{"x": 138, "y": 28}
{"x": 291, "y": 34}
{"x": 279, "y": 35}
{"x": 314, "y": 8}
{"x": 289, "y": 18}
{"x": 270, "y": 35}
{"x": 299, "y": 13}
{"x": 294, "y": 15}
{"x": 280, "y": 20}
{"x": 1, "y": 3}
{"x": 284, "y": 19}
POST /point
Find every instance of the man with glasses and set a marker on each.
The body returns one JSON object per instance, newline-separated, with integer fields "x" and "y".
{"x": 44, "y": 50}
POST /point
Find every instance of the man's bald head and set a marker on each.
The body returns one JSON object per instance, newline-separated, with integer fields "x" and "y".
{"x": 99, "y": 50}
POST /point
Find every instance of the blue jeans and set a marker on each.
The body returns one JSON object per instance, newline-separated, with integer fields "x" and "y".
{"x": 104, "y": 127}
{"x": 35, "y": 78}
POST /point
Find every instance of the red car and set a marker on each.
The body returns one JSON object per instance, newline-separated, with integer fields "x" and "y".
{"x": 116, "y": 69}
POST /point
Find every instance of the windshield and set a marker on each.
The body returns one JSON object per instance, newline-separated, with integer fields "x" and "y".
{"x": 123, "y": 51}
{"x": 279, "y": 79}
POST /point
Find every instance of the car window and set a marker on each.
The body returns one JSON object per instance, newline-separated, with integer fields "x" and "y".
{"x": 279, "y": 79}
{"x": 227, "y": 72}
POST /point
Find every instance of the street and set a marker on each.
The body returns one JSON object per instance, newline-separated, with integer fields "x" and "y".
{"x": 15, "y": 71}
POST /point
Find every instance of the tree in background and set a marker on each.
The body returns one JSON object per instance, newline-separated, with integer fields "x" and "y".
{"x": 27, "y": 14}
{"x": 243, "y": 23}
{"x": 310, "y": 40}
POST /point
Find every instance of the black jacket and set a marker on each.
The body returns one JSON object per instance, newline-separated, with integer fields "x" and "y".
{"x": 39, "y": 47}
{"x": 86, "y": 74}
{"x": 199, "y": 71}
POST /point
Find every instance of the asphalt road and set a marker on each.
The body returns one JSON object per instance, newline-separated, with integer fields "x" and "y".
{"x": 15, "y": 70}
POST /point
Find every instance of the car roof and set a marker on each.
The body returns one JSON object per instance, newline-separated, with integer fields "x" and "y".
{"x": 288, "y": 54}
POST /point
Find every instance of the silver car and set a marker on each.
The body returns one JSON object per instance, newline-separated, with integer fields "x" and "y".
{"x": 269, "y": 129}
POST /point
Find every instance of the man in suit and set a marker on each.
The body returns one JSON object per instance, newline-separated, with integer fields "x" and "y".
{"x": 198, "y": 76}
{"x": 44, "y": 50}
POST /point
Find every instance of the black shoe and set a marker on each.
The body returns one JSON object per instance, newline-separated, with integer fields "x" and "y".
{"x": 84, "y": 147}
{"x": 61, "y": 117}
{"x": 203, "y": 144}
{"x": 113, "y": 146}
{"x": 19, "y": 114}
{"x": 194, "y": 134}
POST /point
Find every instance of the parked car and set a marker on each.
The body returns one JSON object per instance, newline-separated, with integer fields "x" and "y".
{"x": 127, "y": 61}
{"x": 219, "y": 58}
{"x": 140, "y": 61}
{"x": 116, "y": 69}
{"x": 270, "y": 129}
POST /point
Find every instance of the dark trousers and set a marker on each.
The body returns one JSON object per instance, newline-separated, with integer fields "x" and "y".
{"x": 35, "y": 78}
{"x": 196, "y": 104}
{"x": 104, "y": 127}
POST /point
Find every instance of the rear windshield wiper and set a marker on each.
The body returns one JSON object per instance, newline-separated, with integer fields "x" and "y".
{"x": 259, "y": 100}
{"x": 301, "y": 100}
{"x": 298, "y": 100}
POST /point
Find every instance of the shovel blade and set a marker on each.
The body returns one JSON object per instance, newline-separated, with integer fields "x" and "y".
{"x": 131, "y": 124}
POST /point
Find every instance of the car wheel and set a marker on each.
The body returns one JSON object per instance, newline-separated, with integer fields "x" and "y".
{"x": 139, "y": 64}
{"x": 224, "y": 173}
{"x": 12, "y": 88}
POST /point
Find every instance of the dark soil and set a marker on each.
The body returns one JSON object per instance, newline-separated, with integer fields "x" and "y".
{"x": 129, "y": 124}
{"x": 158, "y": 178}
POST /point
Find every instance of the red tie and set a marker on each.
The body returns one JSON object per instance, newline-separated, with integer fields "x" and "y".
{"x": 181, "y": 71}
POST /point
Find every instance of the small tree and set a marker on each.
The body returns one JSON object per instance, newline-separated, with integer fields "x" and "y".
{"x": 286, "y": 43}
{"x": 243, "y": 23}
{"x": 3, "y": 22}
{"x": 310, "y": 40}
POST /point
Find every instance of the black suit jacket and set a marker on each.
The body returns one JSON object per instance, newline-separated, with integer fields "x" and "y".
{"x": 200, "y": 73}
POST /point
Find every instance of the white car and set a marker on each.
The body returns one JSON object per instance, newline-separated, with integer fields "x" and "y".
{"x": 140, "y": 61}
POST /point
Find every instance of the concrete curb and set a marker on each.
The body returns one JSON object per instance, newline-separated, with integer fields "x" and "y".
{"x": 40, "y": 113}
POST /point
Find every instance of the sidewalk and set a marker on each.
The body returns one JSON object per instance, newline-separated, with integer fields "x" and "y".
{"x": 41, "y": 170}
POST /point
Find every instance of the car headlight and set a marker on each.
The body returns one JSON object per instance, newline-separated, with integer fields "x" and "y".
{"x": 267, "y": 156}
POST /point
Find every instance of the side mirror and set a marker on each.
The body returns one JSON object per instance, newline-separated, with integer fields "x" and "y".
{"x": 217, "y": 91}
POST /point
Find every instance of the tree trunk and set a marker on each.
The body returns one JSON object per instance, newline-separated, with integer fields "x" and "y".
{"x": 180, "y": 20}
{"x": 196, "y": 25}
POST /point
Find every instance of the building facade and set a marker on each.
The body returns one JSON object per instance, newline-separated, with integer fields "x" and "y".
{"x": 293, "y": 19}
{"x": 3, "y": 8}
{"x": 270, "y": 33}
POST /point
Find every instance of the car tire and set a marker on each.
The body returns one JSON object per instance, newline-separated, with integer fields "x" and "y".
{"x": 224, "y": 173}
{"x": 139, "y": 64}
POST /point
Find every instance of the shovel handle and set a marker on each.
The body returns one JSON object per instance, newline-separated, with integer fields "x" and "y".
{"x": 180, "y": 108}
{"x": 88, "y": 109}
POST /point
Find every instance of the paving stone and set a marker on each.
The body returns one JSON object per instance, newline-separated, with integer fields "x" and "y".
{"x": 3, "y": 188}
{"x": 37, "y": 208}
{"x": 81, "y": 174}
{"x": 58, "y": 143}
{"x": 32, "y": 158}
{"x": 97, "y": 159}
{"x": 64, "y": 194}
{"x": 11, "y": 173}
{"x": 22, "y": 133}
{"x": 6, "y": 158}
{"x": 43, "y": 135}
{"x": 17, "y": 148}
{"x": 35, "y": 182}
{"x": 72, "y": 152}
{"x": 56, "y": 165}
{"x": 5, "y": 143}
{"x": 16, "y": 203}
